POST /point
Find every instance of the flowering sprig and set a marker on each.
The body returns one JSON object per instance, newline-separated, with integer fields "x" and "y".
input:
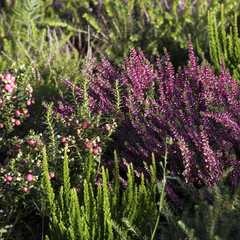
{"x": 81, "y": 130}
{"x": 196, "y": 108}
{"x": 15, "y": 98}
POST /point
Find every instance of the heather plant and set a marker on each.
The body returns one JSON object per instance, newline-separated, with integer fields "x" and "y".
{"x": 85, "y": 133}
{"x": 20, "y": 175}
{"x": 20, "y": 172}
{"x": 223, "y": 45}
{"x": 196, "y": 108}
{"x": 88, "y": 214}
{"x": 15, "y": 99}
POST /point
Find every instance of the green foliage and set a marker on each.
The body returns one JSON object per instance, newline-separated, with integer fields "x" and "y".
{"x": 25, "y": 41}
{"x": 214, "y": 217}
{"x": 80, "y": 214}
{"x": 224, "y": 46}
{"x": 151, "y": 25}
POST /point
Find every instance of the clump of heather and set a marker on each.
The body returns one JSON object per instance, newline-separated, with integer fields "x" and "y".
{"x": 20, "y": 172}
{"x": 199, "y": 110}
{"x": 83, "y": 132}
{"x": 15, "y": 98}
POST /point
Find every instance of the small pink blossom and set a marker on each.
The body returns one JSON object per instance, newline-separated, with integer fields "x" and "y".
{"x": 25, "y": 111}
{"x": 1, "y": 125}
{"x": 12, "y": 84}
{"x": 1, "y": 101}
{"x": 88, "y": 145}
{"x": 29, "y": 102}
{"x": 17, "y": 122}
{"x": 10, "y": 90}
{"x": 7, "y": 86}
{"x": 29, "y": 177}
{"x": 63, "y": 140}
{"x": 31, "y": 142}
{"x": 7, "y": 76}
{"x": 17, "y": 113}
{"x": 107, "y": 127}
{"x": 25, "y": 189}
{"x": 13, "y": 120}
{"x": 30, "y": 90}
{"x": 52, "y": 175}
{"x": 95, "y": 151}
{"x": 9, "y": 178}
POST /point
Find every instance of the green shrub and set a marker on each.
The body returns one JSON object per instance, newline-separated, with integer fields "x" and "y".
{"x": 214, "y": 217}
{"x": 151, "y": 26}
{"x": 102, "y": 214}
{"x": 224, "y": 46}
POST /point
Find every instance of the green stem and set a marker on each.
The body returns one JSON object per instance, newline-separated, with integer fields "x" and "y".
{"x": 162, "y": 193}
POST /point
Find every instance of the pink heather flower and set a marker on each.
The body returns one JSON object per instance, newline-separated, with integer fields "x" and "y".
{"x": 42, "y": 119}
{"x": 13, "y": 120}
{"x": 7, "y": 86}
{"x": 13, "y": 78}
{"x": 38, "y": 163}
{"x": 1, "y": 101}
{"x": 29, "y": 177}
{"x": 17, "y": 122}
{"x": 29, "y": 102}
{"x": 107, "y": 127}
{"x": 17, "y": 113}
{"x": 31, "y": 142}
{"x": 1, "y": 125}
{"x": 24, "y": 161}
{"x": 12, "y": 84}
{"x": 95, "y": 150}
{"x": 25, "y": 189}
{"x": 7, "y": 76}
{"x": 88, "y": 145}
{"x": 9, "y": 178}
{"x": 25, "y": 111}
{"x": 52, "y": 175}
{"x": 63, "y": 140}
{"x": 30, "y": 90}
{"x": 65, "y": 144}
{"x": 10, "y": 90}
